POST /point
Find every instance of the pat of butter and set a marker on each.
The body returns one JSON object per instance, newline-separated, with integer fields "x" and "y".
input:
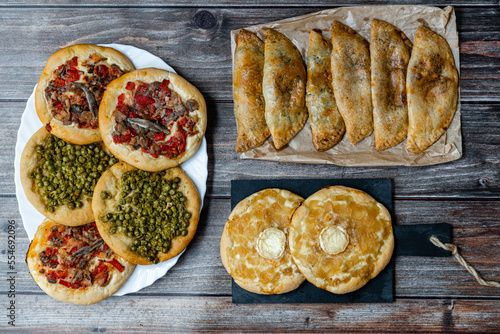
{"x": 333, "y": 239}
{"x": 271, "y": 243}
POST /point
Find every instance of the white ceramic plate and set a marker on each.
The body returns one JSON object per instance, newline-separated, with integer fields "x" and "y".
{"x": 195, "y": 168}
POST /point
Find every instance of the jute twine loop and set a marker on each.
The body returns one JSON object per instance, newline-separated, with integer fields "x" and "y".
{"x": 454, "y": 250}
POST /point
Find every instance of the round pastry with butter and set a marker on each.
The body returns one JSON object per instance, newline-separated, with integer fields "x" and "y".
{"x": 254, "y": 245}
{"x": 340, "y": 238}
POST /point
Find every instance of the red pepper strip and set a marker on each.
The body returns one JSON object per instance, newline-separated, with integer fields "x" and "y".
{"x": 65, "y": 283}
{"x": 58, "y": 105}
{"x": 115, "y": 263}
{"x": 60, "y": 274}
{"x": 74, "y": 62}
{"x": 73, "y": 75}
{"x": 60, "y": 82}
{"x": 182, "y": 121}
{"x": 130, "y": 85}
{"x": 159, "y": 136}
{"x": 50, "y": 251}
{"x": 121, "y": 99}
{"x": 99, "y": 270}
{"x": 164, "y": 87}
{"x": 143, "y": 99}
{"x": 142, "y": 88}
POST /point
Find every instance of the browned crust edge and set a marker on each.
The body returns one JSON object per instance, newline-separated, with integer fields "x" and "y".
{"x": 87, "y": 296}
{"x": 62, "y": 215}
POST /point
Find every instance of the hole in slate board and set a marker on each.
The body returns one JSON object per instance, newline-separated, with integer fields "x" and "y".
{"x": 378, "y": 290}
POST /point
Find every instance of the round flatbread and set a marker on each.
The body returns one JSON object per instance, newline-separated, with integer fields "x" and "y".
{"x": 340, "y": 238}
{"x": 164, "y": 221}
{"x": 152, "y": 119}
{"x": 66, "y": 173}
{"x": 254, "y": 245}
{"x": 71, "y": 86}
{"x": 74, "y": 265}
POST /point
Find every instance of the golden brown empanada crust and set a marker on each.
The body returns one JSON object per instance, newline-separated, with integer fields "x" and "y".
{"x": 432, "y": 88}
{"x": 284, "y": 88}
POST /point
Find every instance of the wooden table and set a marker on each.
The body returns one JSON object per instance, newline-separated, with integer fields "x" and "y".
{"x": 431, "y": 294}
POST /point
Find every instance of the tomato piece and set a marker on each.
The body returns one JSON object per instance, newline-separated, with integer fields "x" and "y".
{"x": 65, "y": 283}
{"x": 121, "y": 99}
{"x": 60, "y": 82}
{"x": 60, "y": 274}
{"x": 182, "y": 121}
{"x": 115, "y": 263}
{"x": 130, "y": 85}
{"x": 58, "y": 105}
{"x": 73, "y": 75}
{"x": 143, "y": 99}
{"x": 50, "y": 251}
{"x": 102, "y": 71}
{"x": 159, "y": 136}
{"x": 164, "y": 87}
{"x": 54, "y": 262}
{"x": 74, "y": 62}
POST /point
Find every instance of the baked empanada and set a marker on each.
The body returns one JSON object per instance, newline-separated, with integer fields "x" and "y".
{"x": 247, "y": 91}
{"x": 284, "y": 88}
{"x": 327, "y": 125}
{"x": 390, "y": 52}
{"x": 432, "y": 88}
{"x": 351, "y": 81}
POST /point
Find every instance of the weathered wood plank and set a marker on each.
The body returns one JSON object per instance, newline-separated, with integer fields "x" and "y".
{"x": 476, "y": 174}
{"x": 196, "y": 42}
{"x": 245, "y": 3}
{"x": 159, "y": 314}
{"x": 476, "y": 226}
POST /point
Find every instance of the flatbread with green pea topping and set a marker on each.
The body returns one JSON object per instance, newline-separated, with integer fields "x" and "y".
{"x": 58, "y": 178}
{"x": 146, "y": 217}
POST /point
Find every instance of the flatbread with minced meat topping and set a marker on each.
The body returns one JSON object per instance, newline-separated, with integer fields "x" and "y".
{"x": 152, "y": 119}
{"x": 71, "y": 87}
{"x": 74, "y": 264}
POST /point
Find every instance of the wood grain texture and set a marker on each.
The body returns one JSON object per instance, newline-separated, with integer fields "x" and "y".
{"x": 160, "y": 314}
{"x": 200, "y": 271}
{"x": 476, "y": 174}
{"x": 247, "y": 3}
{"x": 196, "y": 42}
{"x": 432, "y": 294}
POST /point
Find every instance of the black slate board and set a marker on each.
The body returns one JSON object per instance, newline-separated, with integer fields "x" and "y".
{"x": 411, "y": 240}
